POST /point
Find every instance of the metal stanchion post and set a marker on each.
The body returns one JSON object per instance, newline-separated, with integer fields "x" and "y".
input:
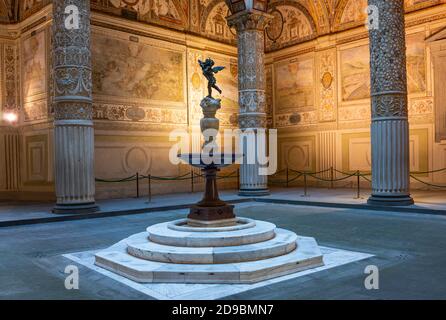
{"x": 358, "y": 191}
{"x": 287, "y": 177}
{"x": 331, "y": 177}
{"x": 149, "y": 178}
{"x": 137, "y": 185}
{"x": 305, "y": 184}
{"x": 192, "y": 180}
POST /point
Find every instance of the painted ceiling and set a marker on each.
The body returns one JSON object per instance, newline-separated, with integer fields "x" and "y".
{"x": 294, "y": 20}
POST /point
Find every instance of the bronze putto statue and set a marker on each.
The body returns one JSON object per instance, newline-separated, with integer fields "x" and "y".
{"x": 209, "y": 70}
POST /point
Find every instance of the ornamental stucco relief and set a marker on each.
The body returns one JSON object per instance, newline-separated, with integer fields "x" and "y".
{"x": 11, "y": 78}
{"x": 327, "y": 86}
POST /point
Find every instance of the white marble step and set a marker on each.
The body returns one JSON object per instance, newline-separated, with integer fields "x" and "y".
{"x": 162, "y": 234}
{"x": 283, "y": 243}
{"x": 116, "y": 259}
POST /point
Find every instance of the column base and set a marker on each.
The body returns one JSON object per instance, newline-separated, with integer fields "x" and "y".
{"x": 253, "y": 192}
{"x": 377, "y": 200}
{"x": 75, "y": 208}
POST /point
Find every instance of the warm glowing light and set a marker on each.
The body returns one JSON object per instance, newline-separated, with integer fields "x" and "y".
{"x": 10, "y": 117}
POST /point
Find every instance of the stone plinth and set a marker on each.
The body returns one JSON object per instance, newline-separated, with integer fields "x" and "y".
{"x": 246, "y": 252}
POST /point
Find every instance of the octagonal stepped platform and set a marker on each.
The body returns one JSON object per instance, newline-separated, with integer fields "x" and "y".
{"x": 247, "y": 252}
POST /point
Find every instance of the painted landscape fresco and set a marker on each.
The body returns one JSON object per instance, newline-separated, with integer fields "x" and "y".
{"x": 355, "y": 73}
{"x": 134, "y": 70}
{"x": 34, "y": 65}
{"x": 355, "y": 69}
{"x": 416, "y": 63}
{"x": 295, "y": 84}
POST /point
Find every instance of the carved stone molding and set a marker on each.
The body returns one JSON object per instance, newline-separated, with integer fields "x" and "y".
{"x": 252, "y": 120}
{"x": 392, "y": 104}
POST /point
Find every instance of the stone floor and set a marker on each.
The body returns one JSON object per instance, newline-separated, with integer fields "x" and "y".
{"x": 408, "y": 249}
{"x": 11, "y": 213}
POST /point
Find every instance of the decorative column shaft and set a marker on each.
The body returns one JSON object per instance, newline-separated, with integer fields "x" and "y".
{"x": 250, "y": 26}
{"x": 73, "y": 132}
{"x": 390, "y": 127}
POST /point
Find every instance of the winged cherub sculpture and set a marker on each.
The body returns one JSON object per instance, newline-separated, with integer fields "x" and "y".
{"x": 208, "y": 71}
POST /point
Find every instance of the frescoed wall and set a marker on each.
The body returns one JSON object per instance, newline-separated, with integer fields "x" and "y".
{"x": 146, "y": 83}
{"x": 34, "y": 76}
{"x": 355, "y": 73}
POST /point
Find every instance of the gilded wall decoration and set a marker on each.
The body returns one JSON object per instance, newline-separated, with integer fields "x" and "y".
{"x": 195, "y": 15}
{"x": 421, "y": 106}
{"x": 138, "y": 71}
{"x": 354, "y": 112}
{"x": 213, "y": 22}
{"x": 349, "y": 14}
{"x": 34, "y": 77}
{"x": 172, "y": 13}
{"x": 416, "y": 63}
{"x": 196, "y": 85}
{"x": 6, "y": 12}
{"x": 141, "y": 6}
{"x": 34, "y": 65}
{"x": 304, "y": 118}
{"x": 169, "y": 11}
{"x": 155, "y": 115}
{"x": 411, "y": 5}
{"x": 36, "y": 110}
{"x": 354, "y": 11}
{"x": 327, "y": 87}
{"x": 28, "y": 7}
{"x": 10, "y": 77}
{"x": 291, "y": 24}
{"x": 355, "y": 73}
{"x": 294, "y": 84}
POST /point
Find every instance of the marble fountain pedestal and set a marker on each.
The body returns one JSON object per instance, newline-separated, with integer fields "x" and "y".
{"x": 211, "y": 245}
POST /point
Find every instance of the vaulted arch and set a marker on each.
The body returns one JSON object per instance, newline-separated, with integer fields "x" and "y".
{"x": 292, "y": 24}
{"x": 213, "y": 22}
{"x": 349, "y": 14}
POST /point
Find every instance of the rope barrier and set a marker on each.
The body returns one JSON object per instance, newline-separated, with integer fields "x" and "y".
{"x": 291, "y": 176}
{"x": 427, "y": 183}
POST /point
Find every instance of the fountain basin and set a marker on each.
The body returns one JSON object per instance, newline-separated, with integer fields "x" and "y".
{"x": 203, "y": 160}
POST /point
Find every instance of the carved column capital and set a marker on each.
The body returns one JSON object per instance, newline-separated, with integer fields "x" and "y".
{"x": 249, "y": 20}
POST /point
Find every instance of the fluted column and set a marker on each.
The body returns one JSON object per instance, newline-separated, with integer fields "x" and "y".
{"x": 250, "y": 26}
{"x": 73, "y": 125}
{"x": 390, "y": 127}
